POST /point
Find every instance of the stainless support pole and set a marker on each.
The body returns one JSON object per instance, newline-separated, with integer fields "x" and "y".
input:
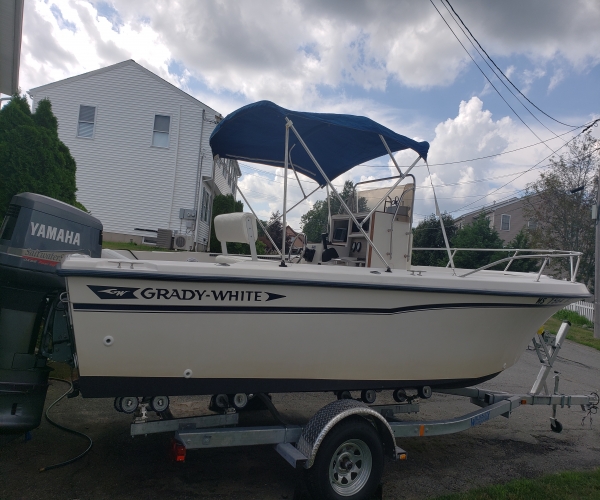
{"x": 597, "y": 265}
{"x": 316, "y": 163}
{"x": 439, "y": 214}
{"x": 259, "y": 222}
{"x": 402, "y": 177}
{"x": 292, "y": 208}
{"x": 328, "y": 210}
{"x": 390, "y": 153}
{"x": 284, "y": 222}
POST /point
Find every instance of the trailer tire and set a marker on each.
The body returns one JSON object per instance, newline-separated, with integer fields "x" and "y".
{"x": 349, "y": 463}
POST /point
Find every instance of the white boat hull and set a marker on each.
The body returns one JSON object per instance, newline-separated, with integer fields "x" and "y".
{"x": 251, "y": 329}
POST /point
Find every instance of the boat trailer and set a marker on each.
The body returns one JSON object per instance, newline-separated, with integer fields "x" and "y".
{"x": 342, "y": 447}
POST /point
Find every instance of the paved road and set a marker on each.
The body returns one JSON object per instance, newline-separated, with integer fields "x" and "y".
{"x": 119, "y": 467}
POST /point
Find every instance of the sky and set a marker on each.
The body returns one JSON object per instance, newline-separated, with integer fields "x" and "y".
{"x": 395, "y": 61}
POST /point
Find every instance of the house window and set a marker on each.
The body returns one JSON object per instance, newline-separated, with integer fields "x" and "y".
{"x": 205, "y": 212}
{"x": 160, "y": 138}
{"x": 531, "y": 224}
{"x": 85, "y": 125}
{"x": 505, "y": 222}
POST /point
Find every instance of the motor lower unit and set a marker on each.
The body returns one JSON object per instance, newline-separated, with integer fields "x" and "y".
{"x": 35, "y": 236}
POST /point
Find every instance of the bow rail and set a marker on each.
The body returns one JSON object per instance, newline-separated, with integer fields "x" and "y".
{"x": 533, "y": 254}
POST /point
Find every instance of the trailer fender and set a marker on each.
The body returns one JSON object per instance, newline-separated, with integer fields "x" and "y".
{"x": 330, "y": 415}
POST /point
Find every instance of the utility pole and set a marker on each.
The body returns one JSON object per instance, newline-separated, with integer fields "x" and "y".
{"x": 597, "y": 262}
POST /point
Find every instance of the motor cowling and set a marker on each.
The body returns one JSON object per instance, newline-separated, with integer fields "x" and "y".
{"x": 35, "y": 236}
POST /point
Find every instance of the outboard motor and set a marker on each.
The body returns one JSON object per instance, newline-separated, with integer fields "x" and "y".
{"x": 35, "y": 236}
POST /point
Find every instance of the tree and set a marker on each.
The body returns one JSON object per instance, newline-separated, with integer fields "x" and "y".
{"x": 522, "y": 240}
{"x": 478, "y": 234}
{"x": 428, "y": 234}
{"x": 227, "y": 204}
{"x": 32, "y": 157}
{"x": 562, "y": 218}
{"x": 315, "y": 221}
{"x": 275, "y": 230}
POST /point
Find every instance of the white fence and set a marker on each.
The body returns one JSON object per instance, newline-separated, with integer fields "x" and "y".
{"x": 586, "y": 309}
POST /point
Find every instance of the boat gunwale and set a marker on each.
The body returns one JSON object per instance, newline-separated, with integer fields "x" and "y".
{"x": 303, "y": 283}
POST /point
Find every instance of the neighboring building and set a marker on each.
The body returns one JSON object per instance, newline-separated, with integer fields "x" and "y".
{"x": 290, "y": 235}
{"x": 507, "y": 217}
{"x": 142, "y": 151}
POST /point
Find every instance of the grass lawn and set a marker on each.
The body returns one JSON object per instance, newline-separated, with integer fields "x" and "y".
{"x": 563, "y": 486}
{"x": 130, "y": 246}
{"x": 576, "y": 333}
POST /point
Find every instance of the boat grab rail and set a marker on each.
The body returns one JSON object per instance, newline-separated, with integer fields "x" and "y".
{"x": 534, "y": 254}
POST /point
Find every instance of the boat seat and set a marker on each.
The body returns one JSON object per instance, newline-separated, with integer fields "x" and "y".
{"x": 239, "y": 227}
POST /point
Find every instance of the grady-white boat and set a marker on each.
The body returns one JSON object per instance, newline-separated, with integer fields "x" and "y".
{"x": 348, "y": 313}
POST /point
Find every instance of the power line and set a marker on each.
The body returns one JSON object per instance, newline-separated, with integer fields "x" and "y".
{"x": 485, "y": 76}
{"x": 483, "y": 157}
{"x": 520, "y": 175}
{"x": 507, "y": 79}
{"x": 488, "y": 65}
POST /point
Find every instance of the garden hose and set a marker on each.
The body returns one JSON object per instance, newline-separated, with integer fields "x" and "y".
{"x": 66, "y": 429}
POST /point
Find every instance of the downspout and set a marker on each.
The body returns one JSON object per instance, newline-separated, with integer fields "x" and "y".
{"x": 198, "y": 181}
{"x": 175, "y": 170}
{"x": 212, "y": 190}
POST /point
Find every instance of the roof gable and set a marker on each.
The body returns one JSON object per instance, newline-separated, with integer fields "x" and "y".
{"x": 492, "y": 208}
{"x": 129, "y": 62}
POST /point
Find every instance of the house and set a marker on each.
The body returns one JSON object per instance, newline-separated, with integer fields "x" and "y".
{"x": 290, "y": 234}
{"x": 507, "y": 217}
{"x": 142, "y": 152}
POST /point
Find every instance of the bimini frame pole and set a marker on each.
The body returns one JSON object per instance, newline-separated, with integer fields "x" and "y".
{"x": 438, "y": 213}
{"x": 314, "y": 160}
{"x": 284, "y": 222}
{"x": 402, "y": 177}
{"x": 391, "y": 155}
{"x": 259, "y": 222}
{"x": 292, "y": 208}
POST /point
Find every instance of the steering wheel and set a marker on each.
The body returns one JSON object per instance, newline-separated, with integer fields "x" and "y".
{"x": 301, "y": 254}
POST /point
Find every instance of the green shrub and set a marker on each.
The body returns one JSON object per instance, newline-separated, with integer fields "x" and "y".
{"x": 32, "y": 157}
{"x": 572, "y": 317}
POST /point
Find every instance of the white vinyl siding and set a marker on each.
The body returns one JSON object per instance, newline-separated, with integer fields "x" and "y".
{"x": 160, "y": 135}
{"x": 505, "y": 222}
{"x": 120, "y": 179}
{"x": 86, "y": 121}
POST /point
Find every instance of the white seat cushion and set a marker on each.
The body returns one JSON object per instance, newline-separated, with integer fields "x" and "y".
{"x": 239, "y": 227}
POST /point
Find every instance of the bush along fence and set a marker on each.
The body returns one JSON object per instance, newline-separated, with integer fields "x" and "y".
{"x": 585, "y": 309}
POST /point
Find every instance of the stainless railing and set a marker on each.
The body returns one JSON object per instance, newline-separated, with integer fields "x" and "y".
{"x": 533, "y": 254}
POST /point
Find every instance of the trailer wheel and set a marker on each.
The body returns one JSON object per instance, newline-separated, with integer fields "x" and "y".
{"x": 128, "y": 404}
{"x": 399, "y": 395}
{"x": 368, "y": 396}
{"x": 425, "y": 392}
{"x": 349, "y": 462}
{"x": 159, "y": 403}
{"x": 556, "y": 426}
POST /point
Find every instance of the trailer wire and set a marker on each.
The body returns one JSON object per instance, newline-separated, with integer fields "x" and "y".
{"x": 592, "y": 409}
{"x": 66, "y": 429}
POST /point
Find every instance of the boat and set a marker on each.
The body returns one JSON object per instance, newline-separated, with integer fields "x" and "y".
{"x": 347, "y": 313}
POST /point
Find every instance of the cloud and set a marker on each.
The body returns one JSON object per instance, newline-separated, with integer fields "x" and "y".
{"x": 314, "y": 55}
{"x": 289, "y": 51}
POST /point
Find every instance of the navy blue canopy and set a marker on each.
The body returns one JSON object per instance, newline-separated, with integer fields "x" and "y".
{"x": 256, "y": 133}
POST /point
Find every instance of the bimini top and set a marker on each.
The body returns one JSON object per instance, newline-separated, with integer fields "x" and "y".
{"x": 256, "y": 133}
